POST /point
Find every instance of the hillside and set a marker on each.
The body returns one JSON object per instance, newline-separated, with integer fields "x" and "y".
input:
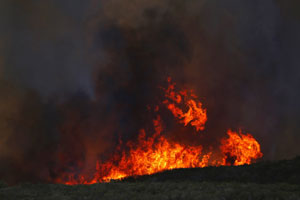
{"x": 264, "y": 180}
{"x": 284, "y": 171}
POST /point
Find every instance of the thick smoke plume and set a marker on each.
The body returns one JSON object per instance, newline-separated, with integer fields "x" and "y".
{"x": 76, "y": 77}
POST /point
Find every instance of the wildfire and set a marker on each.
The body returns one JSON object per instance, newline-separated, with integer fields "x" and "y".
{"x": 157, "y": 153}
{"x": 195, "y": 114}
{"x": 239, "y": 149}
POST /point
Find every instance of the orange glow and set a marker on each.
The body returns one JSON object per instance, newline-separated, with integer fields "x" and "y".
{"x": 156, "y": 153}
{"x": 195, "y": 114}
{"x": 147, "y": 156}
{"x": 239, "y": 149}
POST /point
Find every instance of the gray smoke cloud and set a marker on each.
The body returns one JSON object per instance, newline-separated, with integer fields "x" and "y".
{"x": 241, "y": 57}
{"x": 46, "y": 48}
{"x": 79, "y": 74}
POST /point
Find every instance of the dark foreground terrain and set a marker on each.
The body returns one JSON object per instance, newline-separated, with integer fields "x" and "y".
{"x": 265, "y": 180}
{"x": 153, "y": 191}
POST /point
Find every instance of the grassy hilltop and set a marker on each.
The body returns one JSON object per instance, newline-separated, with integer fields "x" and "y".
{"x": 265, "y": 180}
{"x": 284, "y": 171}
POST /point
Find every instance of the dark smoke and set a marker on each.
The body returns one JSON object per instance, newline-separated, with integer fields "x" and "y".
{"x": 75, "y": 76}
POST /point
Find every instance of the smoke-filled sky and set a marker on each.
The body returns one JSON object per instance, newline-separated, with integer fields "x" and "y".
{"x": 76, "y": 75}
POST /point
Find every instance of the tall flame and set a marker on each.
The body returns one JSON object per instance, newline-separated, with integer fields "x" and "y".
{"x": 157, "y": 153}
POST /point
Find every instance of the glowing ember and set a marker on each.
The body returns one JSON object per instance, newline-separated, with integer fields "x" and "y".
{"x": 240, "y": 149}
{"x": 157, "y": 153}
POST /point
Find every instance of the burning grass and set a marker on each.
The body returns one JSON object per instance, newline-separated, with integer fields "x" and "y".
{"x": 265, "y": 180}
{"x": 154, "y": 153}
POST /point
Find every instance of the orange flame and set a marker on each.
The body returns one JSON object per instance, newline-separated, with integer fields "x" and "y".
{"x": 239, "y": 149}
{"x": 156, "y": 153}
{"x": 195, "y": 114}
{"x": 147, "y": 156}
